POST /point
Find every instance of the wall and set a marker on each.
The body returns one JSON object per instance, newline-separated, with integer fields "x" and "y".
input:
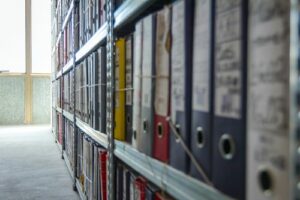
{"x": 12, "y": 100}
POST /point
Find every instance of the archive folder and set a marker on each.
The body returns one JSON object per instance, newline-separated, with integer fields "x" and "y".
{"x": 137, "y": 83}
{"x": 126, "y": 184}
{"x": 201, "y": 132}
{"x": 180, "y": 85}
{"x": 119, "y": 128}
{"x": 119, "y": 181}
{"x": 162, "y": 85}
{"x": 128, "y": 86}
{"x": 94, "y": 91}
{"x": 229, "y": 134}
{"x": 103, "y": 173}
{"x": 268, "y": 101}
{"x": 101, "y": 93}
{"x": 146, "y": 140}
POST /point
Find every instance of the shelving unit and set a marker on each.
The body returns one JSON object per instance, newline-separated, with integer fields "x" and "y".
{"x": 162, "y": 175}
{"x": 174, "y": 182}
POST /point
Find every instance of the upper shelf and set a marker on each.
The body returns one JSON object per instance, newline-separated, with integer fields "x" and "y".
{"x": 69, "y": 14}
{"x": 98, "y": 137}
{"x": 129, "y": 10}
{"x": 164, "y": 176}
{"x": 68, "y": 115}
{"x": 95, "y": 40}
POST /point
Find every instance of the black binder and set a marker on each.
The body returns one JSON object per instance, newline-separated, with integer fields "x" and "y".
{"x": 229, "y": 134}
{"x": 180, "y": 83}
{"x": 202, "y": 91}
{"x": 129, "y": 86}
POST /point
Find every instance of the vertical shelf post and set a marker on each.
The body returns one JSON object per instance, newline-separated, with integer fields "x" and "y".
{"x": 110, "y": 96}
{"x": 294, "y": 163}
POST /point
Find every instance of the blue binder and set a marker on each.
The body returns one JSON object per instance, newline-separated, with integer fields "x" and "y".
{"x": 181, "y": 82}
{"x": 202, "y": 95}
{"x": 229, "y": 134}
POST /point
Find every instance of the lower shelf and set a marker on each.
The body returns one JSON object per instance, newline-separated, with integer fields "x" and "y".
{"x": 68, "y": 165}
{"x": 59, "y": 146}
{"x": 164, "y": 176}
{"x": 79, "y": 189}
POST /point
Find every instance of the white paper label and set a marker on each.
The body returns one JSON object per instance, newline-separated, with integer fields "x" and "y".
{"x": 136, "y": 118}
{"x": 269, "y": 73}
{"x": 201, "y": 57}
{"x": 228, "y": 64}
{"x": 177, "y": 59}
{"x": 161, "y": 101}
{"x": 128, "y": 83}
{"x": 147, "y": 62}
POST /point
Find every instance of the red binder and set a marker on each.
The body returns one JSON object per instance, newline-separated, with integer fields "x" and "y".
{"x": 103, "y": 173}
{"x": 140, "y": 185}
{"x": 60, "y": 139}
{"x": 102, "y": 12}
{"x": 162, "y": 86}
{"x": 65, "y": 46}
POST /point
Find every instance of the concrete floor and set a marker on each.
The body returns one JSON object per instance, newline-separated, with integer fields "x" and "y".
{"x": 31, "y": 167}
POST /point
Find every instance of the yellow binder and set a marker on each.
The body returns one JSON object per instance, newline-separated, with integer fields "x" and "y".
{"x": 119, "y": 129}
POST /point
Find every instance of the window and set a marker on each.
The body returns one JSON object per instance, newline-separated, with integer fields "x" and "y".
{"x": 12, "y": 40}
{"x": 41, "y": 36}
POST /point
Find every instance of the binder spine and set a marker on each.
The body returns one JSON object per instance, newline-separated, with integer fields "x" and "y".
{"x": 145, "y": 144}
{"x": 129, "y": 87}
{"x": 162, "y": 85}
{"x": 230, "y": 69}
{"x": 137, "y": 84}
{"x": 119, "y": 127}
{"x": 268, "y": 117}
{"x": 202, "y": 85}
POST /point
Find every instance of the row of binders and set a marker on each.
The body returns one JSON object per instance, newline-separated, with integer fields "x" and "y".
{"x": 209, "y": 80}
{"x": 89, "y": 17}
{"x": 132, "y": 186}
{"x": 204, "y": 81}
{"x": 92, "y": 15}
{"x": 90, "y": 90}
{"x": 92, "y": 173}
{"x": 91, "y": 168}
{"x": 69, "y": 137}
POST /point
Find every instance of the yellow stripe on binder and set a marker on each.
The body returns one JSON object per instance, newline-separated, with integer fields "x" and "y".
{"x": 119, "y": 129}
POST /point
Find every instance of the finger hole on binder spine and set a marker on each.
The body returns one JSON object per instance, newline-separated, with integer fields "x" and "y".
{"x": 160, "y": 130}
{"x": 145, "y": 126}
{"x": 265, "y": 181}
{"x": 227, "y": 146}
{"x": 200, "y": 137}
{"x": 128, "y": 119}
{"x": 177, "y": 128}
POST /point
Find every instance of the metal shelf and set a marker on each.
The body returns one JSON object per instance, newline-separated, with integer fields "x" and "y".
{"x": 68, "y": 164}
{"x": 95, "y": 40}
{"x": 68, "y": 115}
{"x": 58, "y": 109}
{"x": 59, "y": 146}
{"x": 68, "y": 16}
{"x": 97, "y": 136}
{"x": 58, "y": 38}
{"x": 68, "y": 66}
{"x": 59, "y": 73}
{"x": 129, "y": 10}
{"x": 80, "y": 192}
{"x": 174, "y": 182}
